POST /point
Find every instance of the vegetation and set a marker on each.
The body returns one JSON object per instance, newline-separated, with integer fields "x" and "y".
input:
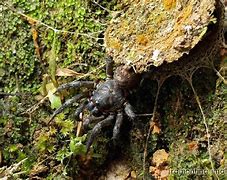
{"x": 47, "y": 43}
{"x": 41, "y": 42}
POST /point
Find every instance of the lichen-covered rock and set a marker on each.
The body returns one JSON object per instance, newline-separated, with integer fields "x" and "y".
{"x": 151, "y": 32}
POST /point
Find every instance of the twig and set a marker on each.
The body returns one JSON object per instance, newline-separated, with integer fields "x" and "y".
{"x": 8, "y": 172}
{"x": 160, "y": 82}
{"x": 19, "y": 173}
{"x": 109, "y": 11}
{"x": 224, "y": 45}
{"x": 91, "y": 72}
{"x": 77, "y": 64}
{"x": 10, "y": 94}
{"x": 206, "y": 126}
{"x": 141, "y": 115}
{"x": 79, "y": 127}
{"x": 36, "y": 106}
{"x": 114, "y": 14}
{"x": 220, "y": 76}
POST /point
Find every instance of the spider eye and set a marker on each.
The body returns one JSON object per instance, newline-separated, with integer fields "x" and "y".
{"x": 97, "y": 103}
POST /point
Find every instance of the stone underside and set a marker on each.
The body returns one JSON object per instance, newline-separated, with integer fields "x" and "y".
{"x": 148, "y": 33}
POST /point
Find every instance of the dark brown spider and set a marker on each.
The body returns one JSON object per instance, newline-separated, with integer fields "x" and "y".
{"x": 107, "y": 103}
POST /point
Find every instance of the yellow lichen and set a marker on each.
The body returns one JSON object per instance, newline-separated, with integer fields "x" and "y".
{"x": 186, "y": 12}
{"x": 142, "y": 39}
{"x": 159, "y": 19}
{"x": 169, "y": 4}
{"x": 115, "y": 44}
{"x": 148, "y": 25}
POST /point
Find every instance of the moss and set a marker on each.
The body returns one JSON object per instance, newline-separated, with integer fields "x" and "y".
{"x": 37, "y": 39}
{"x": 79, "y": 39}
{"x": 185, "y": 135}
{"x": 30, "y": 50}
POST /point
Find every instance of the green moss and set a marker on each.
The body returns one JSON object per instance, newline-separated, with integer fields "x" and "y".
{"x": 189, "y": 147}
{"x": 25, "y": 135}
{"x": 69, "y": 35}
{"x": 78, "y": 24}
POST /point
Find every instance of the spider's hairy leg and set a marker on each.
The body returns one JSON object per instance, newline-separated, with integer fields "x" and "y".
{"x": 109, "y": 67}
{"x": 92, "y": 119}
{"x": 129, "y": 110}
{"x": 76, "y": 84}
{"x": 80, "y": 109}
{"x": 117, "y": 126}
{"x": 67, "y": 103}
{"x": 98, "y": 128}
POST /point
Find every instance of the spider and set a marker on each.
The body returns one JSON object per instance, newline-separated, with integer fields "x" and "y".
{"x": 106, "y": 101}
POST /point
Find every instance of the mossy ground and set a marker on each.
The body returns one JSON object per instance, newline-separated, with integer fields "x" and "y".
{"x": 55, "y": 151}
{"x": 182, "y": 131}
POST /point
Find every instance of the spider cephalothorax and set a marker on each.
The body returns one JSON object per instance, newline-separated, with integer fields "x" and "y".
{"x": 107, "y": 103}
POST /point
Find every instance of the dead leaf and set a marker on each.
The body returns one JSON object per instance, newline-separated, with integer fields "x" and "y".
{"x": 155, "y": 171}
{"x": 155, "y": 128}
{"x": 38, "y": 169}
{"x": 160, "y": 157}
{"x": 223, "y": 52}
{"x": 36, "y": 44}
{"x": 193, "y": 146}
{"x": 67, "y": 72}
{"x": 160, "y": 170}
{"x": 152, "y": 169}
{"x": 222, "y": 162}
{"x": 133, "y": 174}
{"x": 31, "y": 20}
{"x": 164, "y": 174}
{"x": 1, "y": 158}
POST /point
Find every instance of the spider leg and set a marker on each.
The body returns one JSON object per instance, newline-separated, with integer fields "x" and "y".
{"x": 97, "y": 129}
{"x": 91, "y": 119}
{"x": 80, "y": 109}
{"x": 129, "y": 110}
{"x": 66, "y": 104}
{"x": 76, "y": 84}
{"x": 117, "y": 126}
{"x": 109, "y": 67}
